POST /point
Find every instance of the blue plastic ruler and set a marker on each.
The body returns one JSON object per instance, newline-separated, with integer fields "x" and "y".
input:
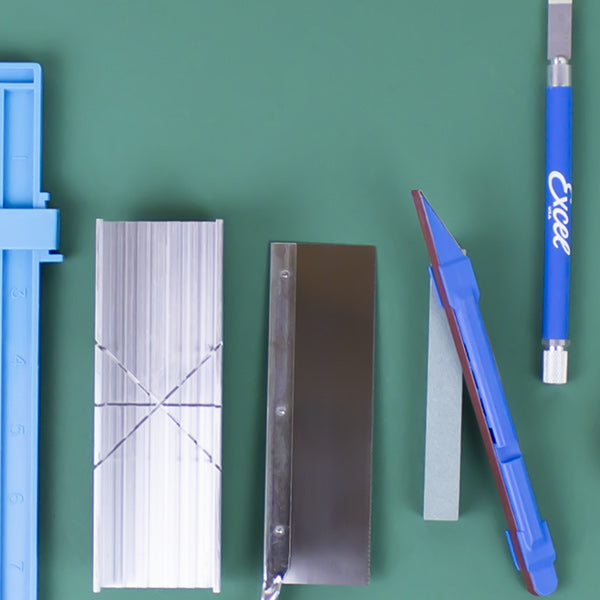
{"x": 28, "y": 234}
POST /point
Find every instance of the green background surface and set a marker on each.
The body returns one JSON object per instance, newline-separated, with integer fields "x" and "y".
{"x": 311, "y": 121}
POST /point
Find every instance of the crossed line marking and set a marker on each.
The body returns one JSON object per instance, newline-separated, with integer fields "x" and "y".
{"x": 156, "y": 403}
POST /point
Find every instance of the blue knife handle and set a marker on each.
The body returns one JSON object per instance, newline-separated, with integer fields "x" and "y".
{"x": 558, "y": 213}
{"x": 532, "y": 534}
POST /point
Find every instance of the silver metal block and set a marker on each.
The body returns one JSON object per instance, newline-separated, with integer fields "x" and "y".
{"x": 157, "y": 436}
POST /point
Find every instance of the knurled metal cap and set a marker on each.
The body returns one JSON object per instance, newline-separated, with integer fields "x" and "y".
{"x": 555, "y": 366}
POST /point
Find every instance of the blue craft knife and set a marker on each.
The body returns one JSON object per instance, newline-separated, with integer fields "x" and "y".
{"x": 28, "y": 235}
{"x": 528, "y": 536}
{"x": 557, "y": 257}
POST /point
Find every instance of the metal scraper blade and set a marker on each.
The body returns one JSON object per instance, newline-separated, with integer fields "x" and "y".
{"x": 319, "y": 415}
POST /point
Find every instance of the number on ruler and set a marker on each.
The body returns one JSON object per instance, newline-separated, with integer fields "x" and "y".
{"x": 18, "y": 361}
{"x": 19, "y": 566}
{"x": 17, "y": 430}
{"x": 18, "y": 293}
{"x": 16, "y": 498}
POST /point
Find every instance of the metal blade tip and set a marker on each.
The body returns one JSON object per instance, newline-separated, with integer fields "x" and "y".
{"x": 559, "y": 28}
{"x": 441, "y": 245}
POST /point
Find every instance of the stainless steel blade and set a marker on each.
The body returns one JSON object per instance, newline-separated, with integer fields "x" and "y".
{"x": 331, "y": 351}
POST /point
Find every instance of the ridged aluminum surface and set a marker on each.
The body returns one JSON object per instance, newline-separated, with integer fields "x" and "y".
{"x": 157, "y": 438}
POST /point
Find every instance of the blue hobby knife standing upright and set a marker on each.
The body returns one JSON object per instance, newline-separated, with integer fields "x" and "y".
{"x": 28, "y": 234}
{"x": 557, "y": 257}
